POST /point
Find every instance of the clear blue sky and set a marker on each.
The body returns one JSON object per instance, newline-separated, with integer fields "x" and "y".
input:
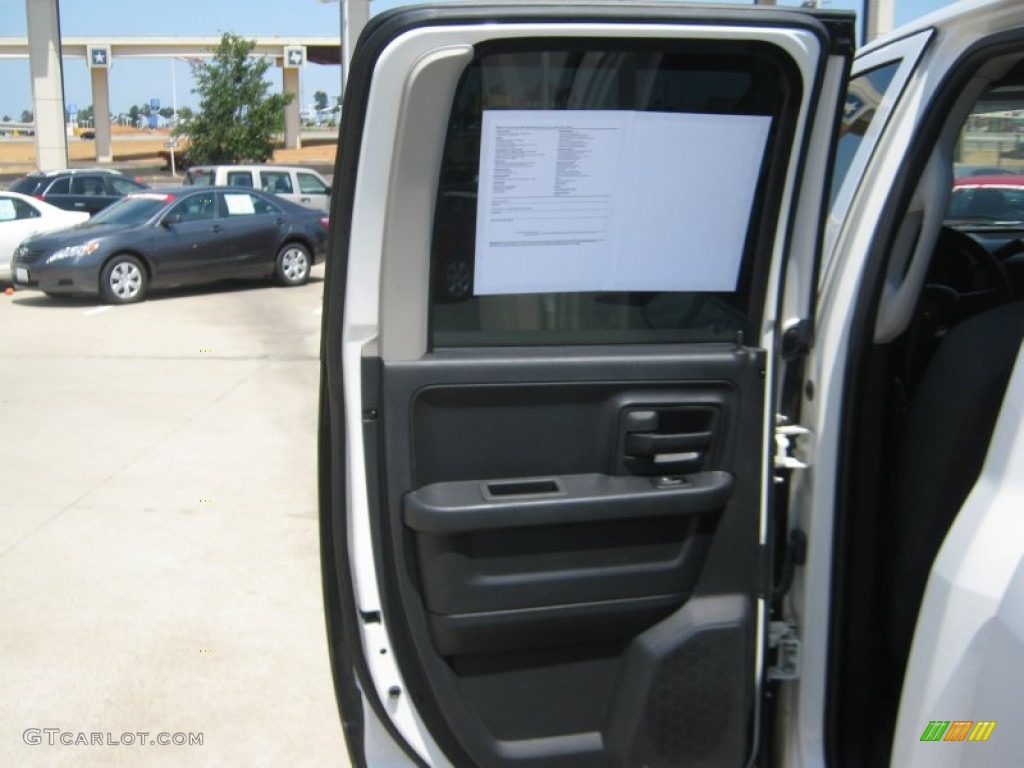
{"x": 136, "y": 81}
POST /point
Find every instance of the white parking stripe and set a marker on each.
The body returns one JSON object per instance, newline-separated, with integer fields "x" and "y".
{"x": 318, "y": 311}
{"x": 97, "y": 310}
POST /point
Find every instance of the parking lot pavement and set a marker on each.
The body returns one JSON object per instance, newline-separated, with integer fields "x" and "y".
{"x": 159, "y": 565}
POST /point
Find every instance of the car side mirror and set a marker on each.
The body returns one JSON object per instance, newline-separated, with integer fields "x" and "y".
{"x": 168, "y": 221}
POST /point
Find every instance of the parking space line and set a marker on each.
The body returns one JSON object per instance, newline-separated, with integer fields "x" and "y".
{"x": 318, "y": 311}
{"x": 98, "y": 310}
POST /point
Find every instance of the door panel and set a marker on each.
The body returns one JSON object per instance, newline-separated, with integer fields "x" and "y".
{"x": 545, "y": 524}
{"x": 528, "y": 548}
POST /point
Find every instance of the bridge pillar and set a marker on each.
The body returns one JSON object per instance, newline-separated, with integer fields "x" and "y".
{"x": 292, "y": 123}
{"x": 101, "y": 114}
{"x": 47, "y": 84}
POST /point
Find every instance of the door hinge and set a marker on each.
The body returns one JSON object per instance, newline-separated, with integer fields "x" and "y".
{"x": 784, "y": 640}
{"x": 785, "y": 442}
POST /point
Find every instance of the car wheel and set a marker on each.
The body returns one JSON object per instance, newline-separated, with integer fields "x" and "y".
{"x": 123, "y": 280}
{"x": 293, "y": 263}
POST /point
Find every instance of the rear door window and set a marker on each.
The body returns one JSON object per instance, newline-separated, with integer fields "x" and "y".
{"x": 88, "y": 185}
{"x": 244, "y": 204}
{"x": 12, "y": 209}
{"x": 240, "y": 179}
{"x": 60, "y": 186}
{"x": 279, "y": 182}
{"x": 606, "y": 195}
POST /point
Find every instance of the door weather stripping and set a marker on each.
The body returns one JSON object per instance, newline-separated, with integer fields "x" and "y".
{"x": 784, "y": 640}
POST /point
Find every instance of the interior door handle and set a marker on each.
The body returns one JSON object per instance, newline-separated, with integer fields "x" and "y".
{"x": 653, "y": 444}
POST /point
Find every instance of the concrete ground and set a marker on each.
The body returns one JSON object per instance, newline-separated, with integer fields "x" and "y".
{"x": 158, "y": 534}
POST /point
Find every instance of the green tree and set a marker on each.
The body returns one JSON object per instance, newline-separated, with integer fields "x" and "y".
{"x": 320, "y": 101}
{"x": 133, "y": 113}
{"x": 237, "y": 118}
{"x": 27, "y": 116}
{"x": 167, "y": 112}
{"x": 185, "y": 113}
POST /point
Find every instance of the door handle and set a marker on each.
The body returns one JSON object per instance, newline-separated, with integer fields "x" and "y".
{"x": 79, "y": 205}
{"x": 653, "y": 444}
{"x": 216, "y": 228}
{"x": 305, "y": 199}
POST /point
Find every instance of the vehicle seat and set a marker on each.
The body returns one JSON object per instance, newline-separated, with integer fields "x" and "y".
{"x": 948, "y": 429}
{"x": 281, "y": 186}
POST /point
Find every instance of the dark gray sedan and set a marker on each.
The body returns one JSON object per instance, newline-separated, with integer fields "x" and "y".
{"x": 175, "y": 237}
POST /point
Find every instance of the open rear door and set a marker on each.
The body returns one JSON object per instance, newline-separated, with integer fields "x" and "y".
{"x": 559, "y": 239}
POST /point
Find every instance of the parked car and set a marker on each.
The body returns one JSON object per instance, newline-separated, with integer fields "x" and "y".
{"x": 86, "y": 189}
{"x": 990, "y": 197}
{"x": 299, "y": 185}
{"x": 22, "y": 216}
{"x": 718, "y": 459}
{"x": 175, "y": 237}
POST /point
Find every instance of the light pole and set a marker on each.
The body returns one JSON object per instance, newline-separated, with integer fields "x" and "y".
{"x": 878, "y": 18}
{"x": 354, "y": 15}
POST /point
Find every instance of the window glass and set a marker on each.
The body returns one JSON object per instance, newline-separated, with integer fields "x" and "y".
{"x": 201, "y": 177}
{"x": 200, "y": 207}
{"x": 279, "y": 182}
{"x": 616, "y": 193}
{"x": 23, "y": 209}
{"x": 28, "y": 185}
{"x": 311, "y": 185}
{"x": 243, "y": 204}
{"x": 8, "y": 211}
{"x": 88, "y": 185}
{"x": 989, "y": 159}
{"x": 240, "y": 179}
{"x": 123, "y": 186}
{"x": 59, "y": 187}
{"x": 863, "y": 95}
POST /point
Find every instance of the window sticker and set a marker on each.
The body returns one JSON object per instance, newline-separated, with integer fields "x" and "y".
{"x": 239, "y": 205}
{"x": 7, "y": 210}
{"x": 613, "y": 200}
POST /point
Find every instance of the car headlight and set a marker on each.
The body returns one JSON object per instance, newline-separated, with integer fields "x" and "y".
{"x": 73, "y": 251}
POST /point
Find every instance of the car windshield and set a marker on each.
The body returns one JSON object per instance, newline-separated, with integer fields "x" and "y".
{"x": 133, "y": 209}
{"x": 987, "y": 202}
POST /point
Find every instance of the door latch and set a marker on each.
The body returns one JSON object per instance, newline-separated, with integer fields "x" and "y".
{"x": 785, "y": 441}
{"x": 784, "y": 640}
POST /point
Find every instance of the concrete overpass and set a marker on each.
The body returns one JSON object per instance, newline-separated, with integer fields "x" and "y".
{"x": 291, "y": 54}
{"x": 46, "y": 49}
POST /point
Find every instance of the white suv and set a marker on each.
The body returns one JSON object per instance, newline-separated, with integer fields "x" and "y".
{"x": 718, "y": 459}
{"x": 300, "y": 185}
